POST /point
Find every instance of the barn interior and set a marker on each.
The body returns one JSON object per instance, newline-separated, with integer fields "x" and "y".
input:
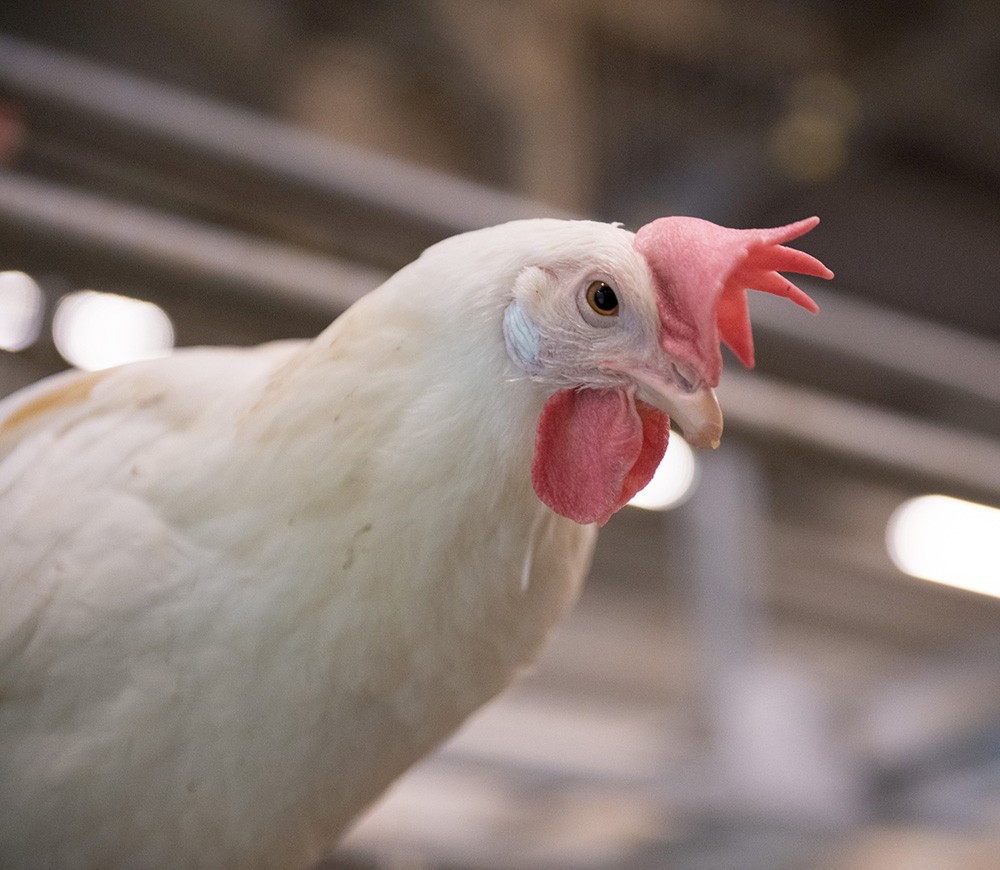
{"x": 794, "y": 664}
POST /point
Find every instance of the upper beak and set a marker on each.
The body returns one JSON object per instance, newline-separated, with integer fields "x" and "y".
{"x": 695, "y": 410}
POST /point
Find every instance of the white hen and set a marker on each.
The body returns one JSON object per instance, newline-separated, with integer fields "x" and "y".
{"x": 242, "y": 590}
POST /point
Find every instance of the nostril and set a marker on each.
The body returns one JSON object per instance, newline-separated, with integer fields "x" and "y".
{"x": 684, "y": 377}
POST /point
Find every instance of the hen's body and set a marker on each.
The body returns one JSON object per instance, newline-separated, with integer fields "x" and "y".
{"x": 241, "y": 591}
{"x": 271, "y": 581}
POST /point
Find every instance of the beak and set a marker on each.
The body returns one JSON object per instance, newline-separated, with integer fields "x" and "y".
{"x": 695, "y": 410}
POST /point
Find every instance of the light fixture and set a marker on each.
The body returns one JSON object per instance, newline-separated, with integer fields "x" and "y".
{"x": 95, "y": 330}
{"x": 673, "y": 481}
{"x": 947, "y": 540}
{"x": 22, "y": 306}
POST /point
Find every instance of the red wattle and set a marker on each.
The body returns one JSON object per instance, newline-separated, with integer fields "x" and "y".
{"x": 594, "y": 450}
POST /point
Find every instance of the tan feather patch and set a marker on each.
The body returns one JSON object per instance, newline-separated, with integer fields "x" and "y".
{"x": 71, "y": 393}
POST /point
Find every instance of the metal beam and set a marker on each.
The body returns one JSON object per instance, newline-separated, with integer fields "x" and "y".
{"x": 772, "y": 409}
{"x": 181, "y": 246}
{"x": 247, "y": 140}
{"x": 888, "y": 340}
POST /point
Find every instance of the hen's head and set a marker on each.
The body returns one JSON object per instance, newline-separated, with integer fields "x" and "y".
{"x": 626, "y": 333}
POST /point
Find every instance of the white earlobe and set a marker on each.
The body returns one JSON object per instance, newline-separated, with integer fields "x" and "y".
{"x": 522, "y": 339}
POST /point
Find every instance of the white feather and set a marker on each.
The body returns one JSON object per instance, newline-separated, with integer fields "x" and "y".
{"x": 242, "y": 590}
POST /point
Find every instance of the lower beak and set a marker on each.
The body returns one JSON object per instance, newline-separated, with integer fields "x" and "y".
{"x": 696, "y": 411}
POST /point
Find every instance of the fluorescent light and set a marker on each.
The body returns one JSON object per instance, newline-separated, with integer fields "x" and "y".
{"x": 947, "y": 540}
{"x": 673, "y": 481}
{"x": 22, "y": 305}
{"x": 97, "y": 330}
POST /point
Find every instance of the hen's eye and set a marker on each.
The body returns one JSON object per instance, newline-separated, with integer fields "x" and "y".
{"x": 602, "y": 299}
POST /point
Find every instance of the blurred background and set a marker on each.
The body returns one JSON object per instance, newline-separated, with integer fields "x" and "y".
{"x": 795, "y": 661}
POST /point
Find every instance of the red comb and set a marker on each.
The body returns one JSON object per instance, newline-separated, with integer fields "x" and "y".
{"x": 702, "y": 272}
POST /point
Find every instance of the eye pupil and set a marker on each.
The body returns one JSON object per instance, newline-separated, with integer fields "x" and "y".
{"x": 602, "y": 298}
{"x": 605, "y": 299}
